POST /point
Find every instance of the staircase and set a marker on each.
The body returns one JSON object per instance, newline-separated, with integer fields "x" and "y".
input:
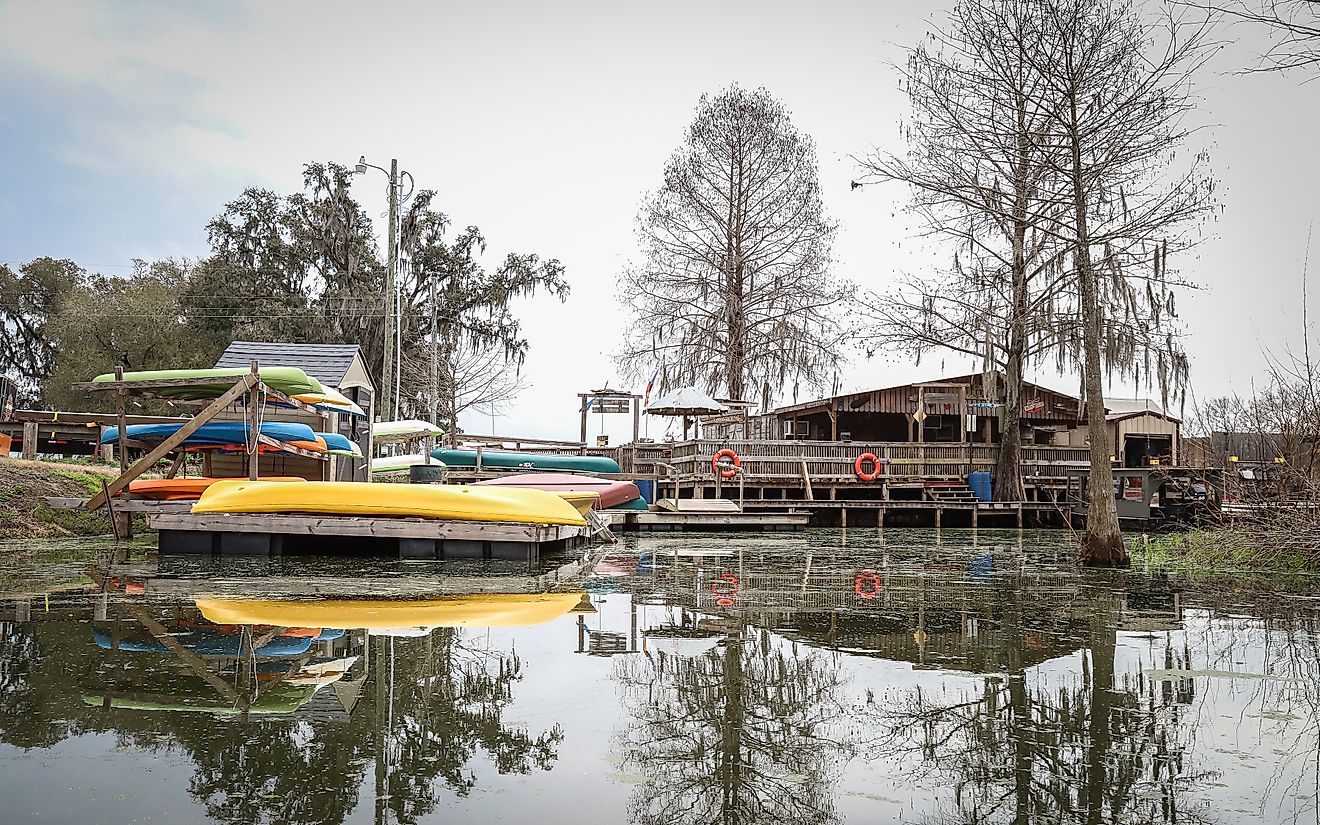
{"x": 950, "y": 493}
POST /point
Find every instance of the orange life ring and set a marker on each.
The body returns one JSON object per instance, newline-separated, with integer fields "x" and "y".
{"x": 725, "y": 472}
{"x": 724, "y": 595}
{"x": 877, "y": 467}
{"x": 867, "y": 577}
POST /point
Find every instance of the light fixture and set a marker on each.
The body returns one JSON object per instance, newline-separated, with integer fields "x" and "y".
{"x": 584, "y": 606}
{"x": 361, "y": 168}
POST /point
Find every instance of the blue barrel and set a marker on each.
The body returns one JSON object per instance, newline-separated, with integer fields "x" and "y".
{"x": 647, "y": 488}
{"x": 979, "y": 483}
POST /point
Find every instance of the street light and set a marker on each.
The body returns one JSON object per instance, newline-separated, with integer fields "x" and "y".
{"x": 389, "y": 402}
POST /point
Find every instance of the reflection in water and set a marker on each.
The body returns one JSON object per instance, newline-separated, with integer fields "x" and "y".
{"x": 745, "y": 732}
{"x": 730, "y": 680}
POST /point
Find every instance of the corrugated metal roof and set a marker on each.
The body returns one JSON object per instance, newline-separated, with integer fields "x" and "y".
{"x": 327, "y": 363}
{"x": 1057, "y": 406}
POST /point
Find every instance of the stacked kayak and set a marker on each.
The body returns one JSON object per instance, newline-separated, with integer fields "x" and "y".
{"x": 462, "y": 503}
{"x": 387, "y": 430}
{"x": 291, "y": 381}
{"x": 214, "y": 433}
{"x": 183, "y": 489}
{"x": 531, "y": 461}
{"x": 612, "y": 493}
{"x": 339, "y": 444}
{"x": 399, "y": 463}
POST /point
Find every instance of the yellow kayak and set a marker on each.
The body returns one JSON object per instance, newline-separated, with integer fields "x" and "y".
{"x": 486, "y": 610}
{"x": 581, "y": 501}
{"x": 348, "y": 498}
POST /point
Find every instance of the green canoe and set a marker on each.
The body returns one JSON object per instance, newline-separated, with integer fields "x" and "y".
{"x": 527, "y": 461}
{"x": 288, "y": 380}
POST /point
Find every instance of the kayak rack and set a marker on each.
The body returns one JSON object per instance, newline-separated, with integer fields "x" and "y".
{"x": 249, "y": 386}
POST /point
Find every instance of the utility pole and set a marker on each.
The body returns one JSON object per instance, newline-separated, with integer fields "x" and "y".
{"x": 393, "y": 337}
{"x": 435, "y": 360}
{"x": 388, "y": 390}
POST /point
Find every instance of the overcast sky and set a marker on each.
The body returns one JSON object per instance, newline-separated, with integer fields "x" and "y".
{"x": 126, "y": 126}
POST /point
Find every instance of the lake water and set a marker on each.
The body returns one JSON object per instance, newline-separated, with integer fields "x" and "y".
{"x": 895, "y": 676}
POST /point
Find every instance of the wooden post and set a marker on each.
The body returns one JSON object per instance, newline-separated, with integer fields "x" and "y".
{"x": 31, "y": 433}
{"x": 637, "y": 418}
{"x": 122, "y": 420}
{"x": 582, "y": 431}
{"x": 806, "y": 480}
{"x": 428, "y": 444}
{"x": 939, "y": 517}
{"x": 976, "y": 509}
{"x": 480, "y": 449}
{"x": 253, "y": 445}
{"x": 843, "y": 518}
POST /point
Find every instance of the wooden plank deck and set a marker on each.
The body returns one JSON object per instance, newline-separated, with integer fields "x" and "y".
{"x": 638, "y": 521}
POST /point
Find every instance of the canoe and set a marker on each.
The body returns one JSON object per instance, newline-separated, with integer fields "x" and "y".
{"x": 484, "y": 610}
{"x": 348, "y": 498}
{"x": 212, "y": 434}
{"x": 393, "y": 429}
{"x": 612, "y": 493}
{"x": 182, "y": 489}
{"x": 288, "y": 380}
{"x": 530, "y": 461}
{"x": 399, "y": 463}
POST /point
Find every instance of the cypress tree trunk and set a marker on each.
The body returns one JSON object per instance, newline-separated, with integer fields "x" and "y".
{"x": 1102, "y": 541}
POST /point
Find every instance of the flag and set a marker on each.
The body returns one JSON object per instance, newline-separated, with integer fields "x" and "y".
{"x": 646, "y": 399}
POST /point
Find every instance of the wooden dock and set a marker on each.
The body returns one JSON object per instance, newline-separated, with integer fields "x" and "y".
{"x": 266, "y": 534}
{"x": 637, "y": 521}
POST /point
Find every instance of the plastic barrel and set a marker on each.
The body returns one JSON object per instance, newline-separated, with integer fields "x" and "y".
{"x": 426, "y": 474}
{"x": 647, "y": 488}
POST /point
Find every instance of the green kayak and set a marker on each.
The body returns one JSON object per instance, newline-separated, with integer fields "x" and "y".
{"x": 527, "y": 461}
{"x": 638, "y": 503}
{"x": 288, "y": 380}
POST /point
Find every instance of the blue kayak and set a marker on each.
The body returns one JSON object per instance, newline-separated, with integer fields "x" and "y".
{"x": 337, "y": 442}
{"x": 205, "y": 643}
{"x": 213, "y": 434}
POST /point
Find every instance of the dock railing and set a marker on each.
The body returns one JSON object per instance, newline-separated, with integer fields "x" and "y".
{"x": 833, "y": 461}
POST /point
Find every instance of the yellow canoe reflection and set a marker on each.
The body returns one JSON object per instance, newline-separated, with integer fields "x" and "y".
{"x": 485, "y": 610}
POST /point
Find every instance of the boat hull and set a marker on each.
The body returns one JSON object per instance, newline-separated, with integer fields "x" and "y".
{"x": 531, "y": 461}
{"x": 612, "y": 493}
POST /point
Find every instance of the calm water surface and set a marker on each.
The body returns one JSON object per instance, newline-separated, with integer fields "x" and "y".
{"x": 903, "y": 676}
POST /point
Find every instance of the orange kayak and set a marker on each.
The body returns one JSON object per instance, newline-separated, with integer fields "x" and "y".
{"x": 182, "y": 489}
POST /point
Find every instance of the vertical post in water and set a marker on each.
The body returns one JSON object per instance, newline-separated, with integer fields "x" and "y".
{"x": 254, "y": 429}
{"x": 121, "y": 448}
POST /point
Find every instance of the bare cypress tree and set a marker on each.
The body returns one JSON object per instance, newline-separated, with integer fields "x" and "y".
{"x": 1294, "y": 24}
{"x": 733, "y": 292}
{"x": 976, "y": 166}
{"x": 1117, "y": 92}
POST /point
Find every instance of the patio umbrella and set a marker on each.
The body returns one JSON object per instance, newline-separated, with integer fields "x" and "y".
{"x": 685, "y": 401}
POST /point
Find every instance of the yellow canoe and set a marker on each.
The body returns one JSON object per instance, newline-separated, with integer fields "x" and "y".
{"x": 348, "y": 498}
{"x": 485, "y": 610}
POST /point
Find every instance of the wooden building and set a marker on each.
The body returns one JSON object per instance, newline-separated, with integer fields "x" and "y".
{"x": 957, "y": 410}
{"x": 340, "y": 366}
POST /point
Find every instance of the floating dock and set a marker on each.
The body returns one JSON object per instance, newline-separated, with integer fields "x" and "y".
{"x": 638, "y": 521}
{"x": 267, "y": 534}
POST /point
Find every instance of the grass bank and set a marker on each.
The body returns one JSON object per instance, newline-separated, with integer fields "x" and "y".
{"x": 1223, "y": 552}
{"x": 24, "y": 486}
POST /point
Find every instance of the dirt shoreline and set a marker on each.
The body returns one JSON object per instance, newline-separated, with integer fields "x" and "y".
{"x": 24, "y": 486}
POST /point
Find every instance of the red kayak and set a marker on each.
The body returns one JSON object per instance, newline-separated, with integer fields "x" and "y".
{"x": 612, "y": 493}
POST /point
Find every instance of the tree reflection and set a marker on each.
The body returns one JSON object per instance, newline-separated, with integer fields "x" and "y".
{"x": 750, "y": 732}
{"x": 444, "y": 698}
{"x": 1092, "y": 749}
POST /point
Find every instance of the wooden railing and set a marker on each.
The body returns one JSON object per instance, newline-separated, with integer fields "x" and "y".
{"x": 828, "y": 461}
